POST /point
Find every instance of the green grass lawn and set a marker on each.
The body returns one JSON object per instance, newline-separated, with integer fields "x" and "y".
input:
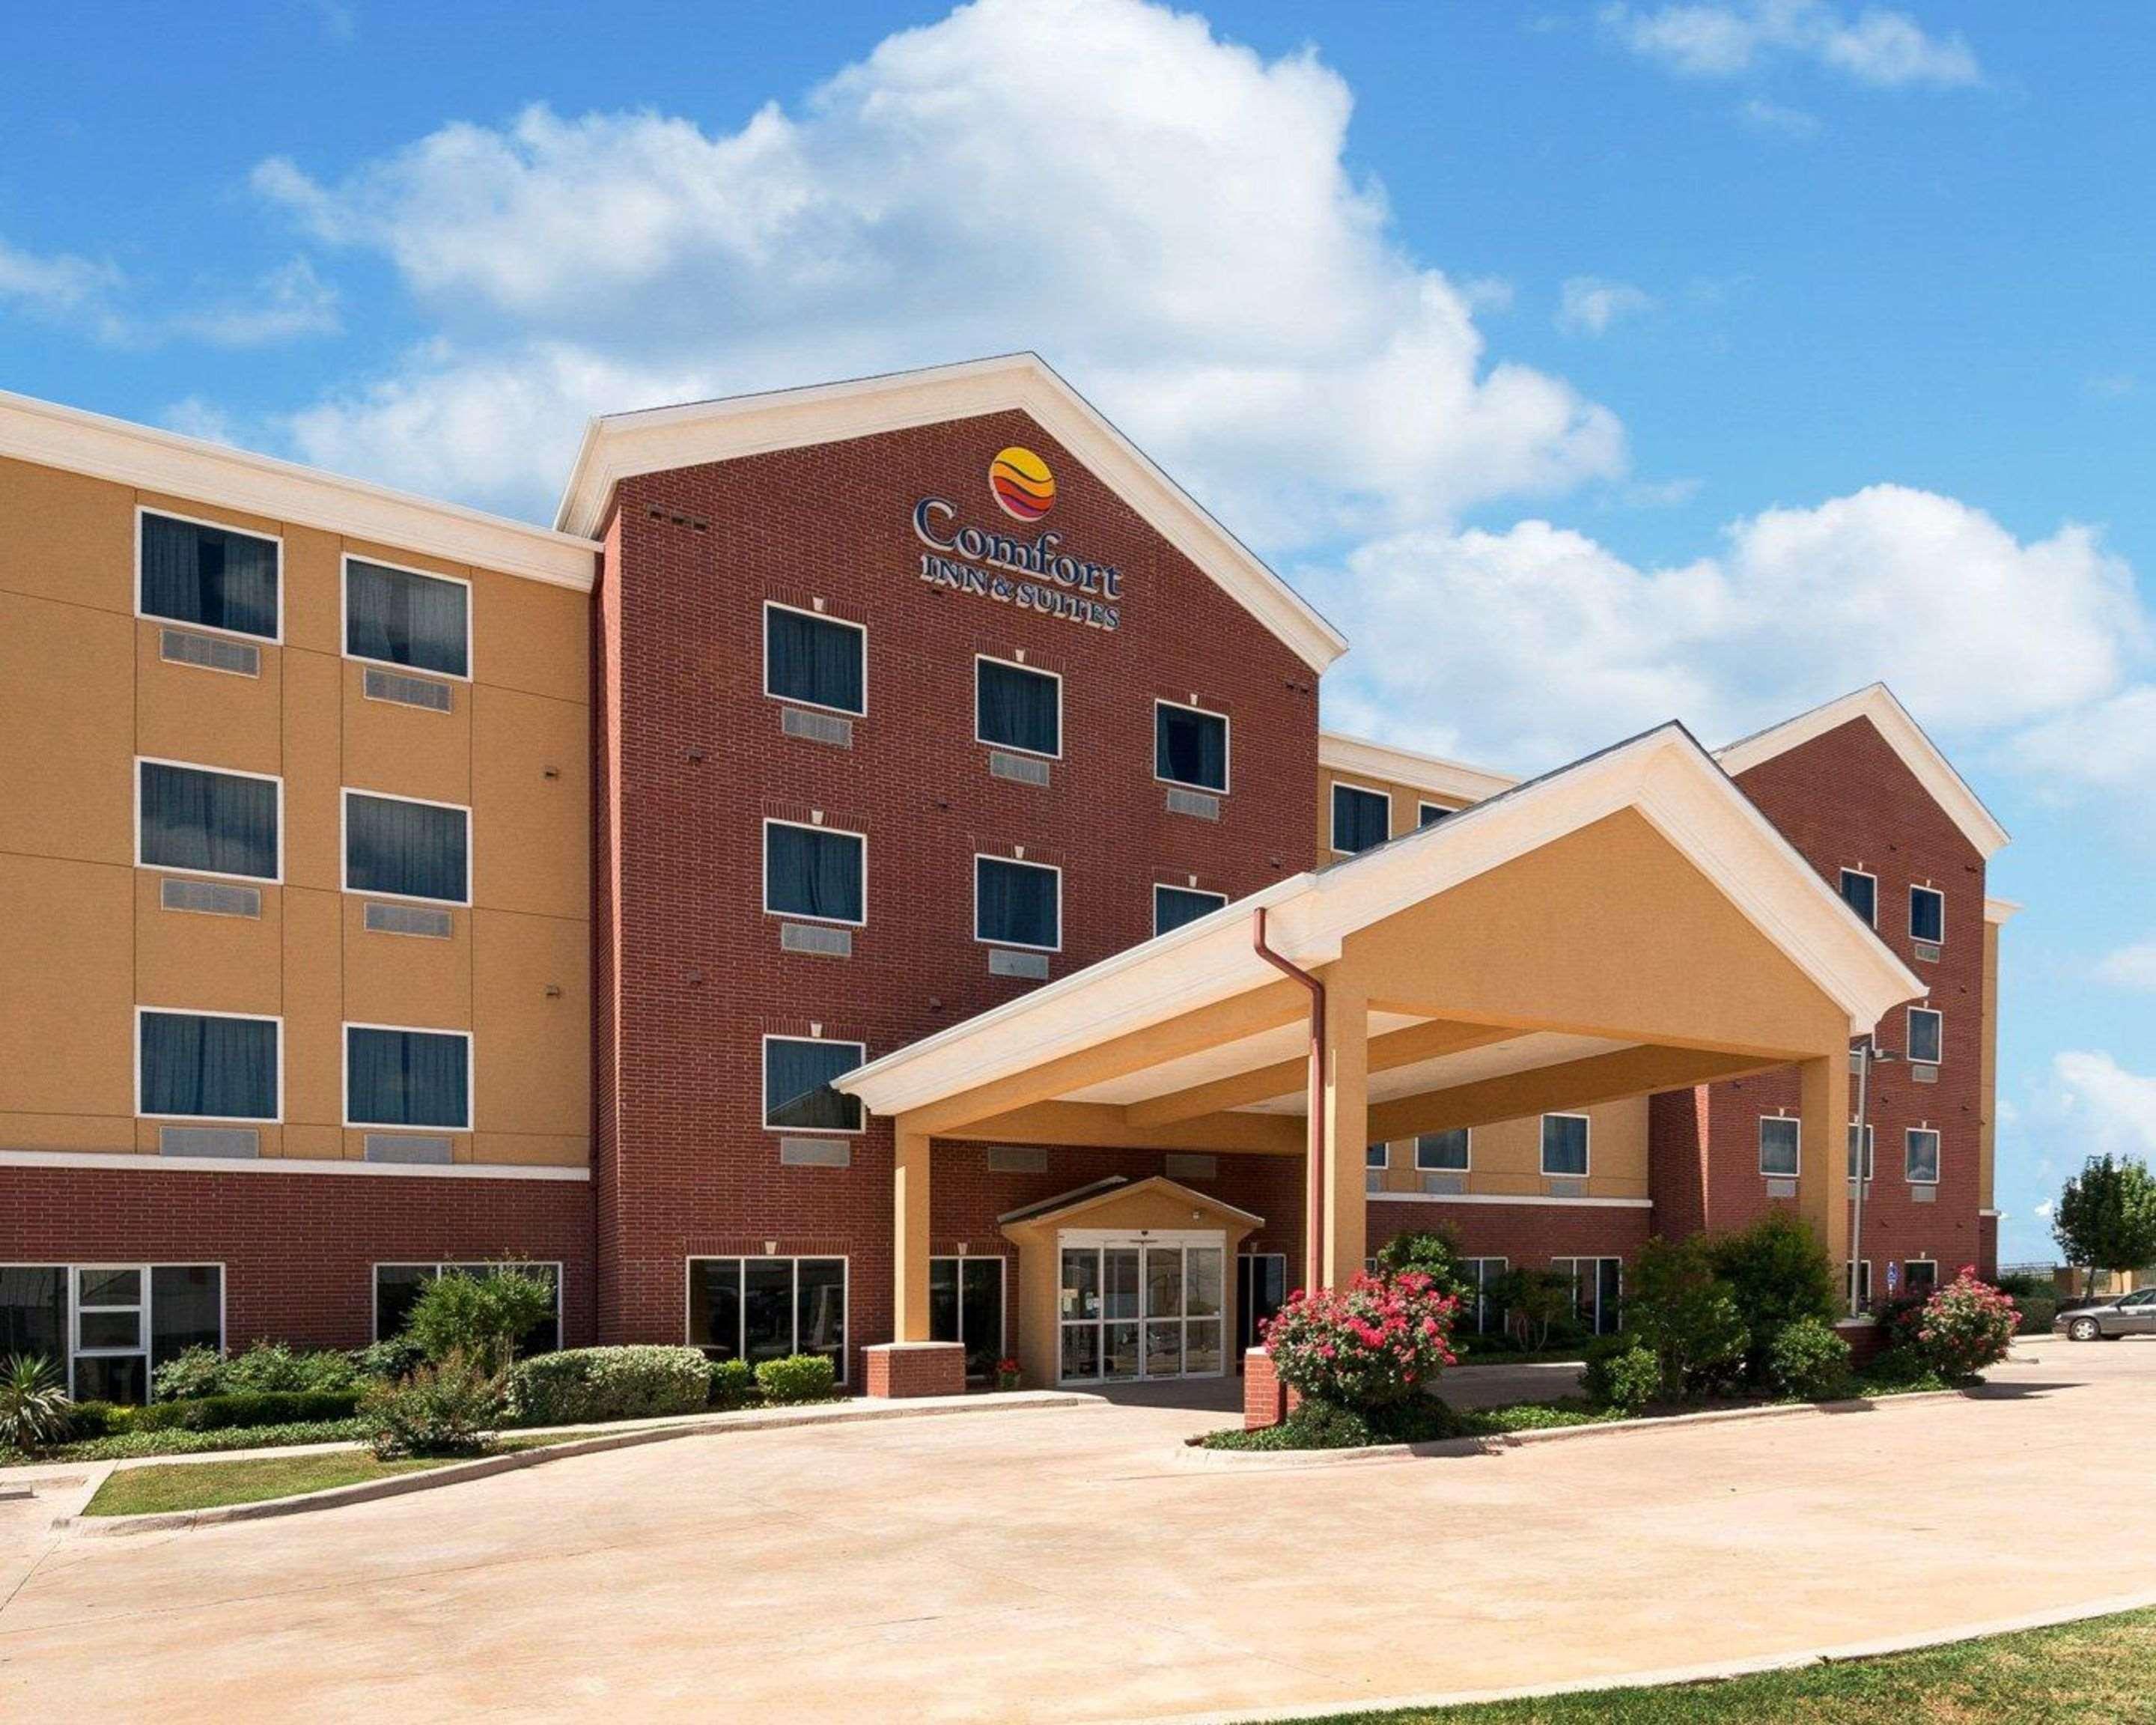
{"x": 2103, "y": 1670}
{"x": 208, "y": 1484}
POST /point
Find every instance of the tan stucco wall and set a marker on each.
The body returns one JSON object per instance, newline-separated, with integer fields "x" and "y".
{"x": 1507, "y": 1156}
{"x": 1407, "y": 806}
{"x": 1988, "y": 1083}
{"x": 83, "y": 938}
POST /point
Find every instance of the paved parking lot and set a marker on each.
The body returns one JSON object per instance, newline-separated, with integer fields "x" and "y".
{"x": 1068, "y": 1563}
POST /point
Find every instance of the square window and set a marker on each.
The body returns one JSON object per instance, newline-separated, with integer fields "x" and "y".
{"x": 207, "y": 821}
{"x": 217, "y": 578}
{"x": 1442, "y": 1153}
{"x": 33, "y": 1310}
{"x": 1361, "y": 819}
{"x": 1781, "y": 1145}
{"x": 1927, "y": 915}
{"x": 1922, "y": 1156}
{"x": 1926, "y": 1035}
{"x": 817, "y": 661}
{"x": 397, "y": 1077}
{"x": 207, "y": 1066}
{"x": 817, "y": 872}
{"x": 403, "y": 848}
{"x": 1871, "y": 1137}
{"x": 1189, "y": 746}
{"x": 187, "y": 1310}
{"x": 1859, "y": 891}
{"x": 1018, "y": 707}
{"x": 1375, "y": 1156}
{"x": 797, "y": 1074}
{"x": 1174, "y": 905}
{"x": 1564, "y": 1146}
{"x": 1920, "y": 1275}
{"x": 1429, "y": 814}
{"x": 406, "y": 619}
{"x": 1017, "y": 904}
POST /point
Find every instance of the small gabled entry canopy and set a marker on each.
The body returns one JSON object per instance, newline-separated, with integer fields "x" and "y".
{"x": 1627, "y": 924}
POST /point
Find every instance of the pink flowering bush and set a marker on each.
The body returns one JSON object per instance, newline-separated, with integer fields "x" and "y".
{"x": 1374, "y": 1342}
{"x": 1958, "y": 1329}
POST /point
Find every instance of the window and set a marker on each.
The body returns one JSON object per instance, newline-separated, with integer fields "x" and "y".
{"x": 798, "y": 1097}
{"x": 217, "y": 577}
{"x": 1429, "y": 814}
{"x": 407, "y": 849}
{"x": 1261, "y": 1291}
{"x": 757, "y": 1309}
{"x": 109, "y": 1326}
{"x": 817, "y": 872}
{"x": 1564, "y": 1146}
{"x": 1926, "y": 1035}
{"x": 1859, "y": 891}
{"x": 402, "y": 617}
{"x": 1017, "y": 904}
{"x": 398, "y": 1077}
{"x": 1927, "y": 915}
{"x": 207, "y": 821}
{"x": 1921, "y": 1155}
{"x": 1174, "y": 905}
{"x": 817, "y": 661}
{"x": 201, "y": 1065}
{"x": 1858, "y": 1281}
{"x": 966, "y": 1306}
{"x": 1361, "y": 819}
{"x": 398, "y": 1288}
{"x": 1781, "y": 1146}
{"x": 1920, "y": 1275}
{"x": 1015, "y": 707}
{"x": 1376, "y": 1156}
{"x": 1869, "y": 1135}
{"x": 1598, "y": 1288}
{"x": 1442, "y": 1153}
{"x": 1480, "y": 1274}
{"x": 1189, "y": 746}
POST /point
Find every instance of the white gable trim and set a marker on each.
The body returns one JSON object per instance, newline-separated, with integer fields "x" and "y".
{"x": 619, "y": 446}
{"x": 1433, "y": 773}
{"x": 1904, "y": 736}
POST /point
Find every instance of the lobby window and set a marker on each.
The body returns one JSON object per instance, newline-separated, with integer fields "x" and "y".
{"x": 217, "y": 578}
{"x": 797, "y": 1074}
{"x": 1564, "y": 1146}
{"x": 206, "y": 821}
{"x": 404, "y": 618}
{"x": 1926, "y": 1035}
{"x": 1871, "y": 1144}
{"x": 1859, "y": 891}
{"x": 1429, "y": 814}
{"x": 199, "y": 1065}
{"x": 1018, "y": 707}
{"x": 1598, "y": 1290}
{"x": 123, "y": 1321}
{"x": 1189, "y": 746}
{"x": 966, "y": 1306}
{"x": 1361, "y": 819}
{"x": 817, "y": 661}
{"x": 1921, "y": 1156}
{"x": 1017, "y": 904}
{"x": 399, "y": 1077}
{"x": 1442, "y": 1153}
{"x": 1927, "y": 915}
{"x": 817, "y": 872}
{"x": 1480, "y": 1274}
{"x": 398, "y": 1288}
{"x": 1174, "y": 905}
{"x": 401, "y": 848}
{"x": 757, "y": 1309}
{"x": 1781, "y": 1146}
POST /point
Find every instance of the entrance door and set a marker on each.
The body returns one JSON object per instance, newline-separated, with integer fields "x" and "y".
{"x": 966, "y": 1305}
{"x": 1261, "y": 1291}
{"x": 1146, "y": 1306}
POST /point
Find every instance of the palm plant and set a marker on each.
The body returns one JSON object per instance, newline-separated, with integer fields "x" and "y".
{"x": 34, "y": 1403}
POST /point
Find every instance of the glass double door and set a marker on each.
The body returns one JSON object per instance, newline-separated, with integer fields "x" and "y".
{"x": 1140, "y": 1308}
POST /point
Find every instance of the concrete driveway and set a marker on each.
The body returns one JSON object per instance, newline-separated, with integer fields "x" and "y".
{"x": 1068, "y": 1564}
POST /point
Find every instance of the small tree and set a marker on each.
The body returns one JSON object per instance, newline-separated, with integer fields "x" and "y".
{"x": 1686, "y": 1314}
{"x": 1535, "y": 1302}
{"x": 479, "y": 1316}
{"x": 2106, "y": 1217}
{"x": 1780, "y": 1274}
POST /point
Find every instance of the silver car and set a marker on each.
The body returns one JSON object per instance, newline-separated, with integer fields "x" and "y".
{"x": 2132, "y": 1314}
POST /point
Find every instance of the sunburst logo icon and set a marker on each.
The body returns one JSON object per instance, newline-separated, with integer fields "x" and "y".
{"x": 1022, "y": 483}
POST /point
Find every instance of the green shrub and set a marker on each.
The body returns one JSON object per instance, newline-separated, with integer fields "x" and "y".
{"x": 733, "y": 1385}
{"x": 194, "y": 1371}
{"x": 1622, "y": 1373}
{"x": 1324, "y": 1425}
{"x": 1688, "y": 1315}
{"x": 798, "y": 1378}
{"x": 97, "y": 1419}
{"x": 273, "y": 1367}
{"x": 399, "y": 1357}
{"x": 1959, "y": 1329}
{"x": 1901, "y": 1369}
{"x": 1807, "y": 1359}
{"x": 1379, "y": 1339}
{"x": 244, "y": 1408}
{"x": 1777, "y": 1271}
{"x": 34, "y": 1403}
{"x": 587, "y": 1383}
{"x": 479, "y": 1316}
{"x": 1538, "y": 1307}
{"x": 1430, "y": 1252}
{"x": 445, "y": 1408}
{"x": 127, "y": 1446}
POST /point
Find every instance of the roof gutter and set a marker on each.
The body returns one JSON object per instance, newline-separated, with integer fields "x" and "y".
{"x": 1313, "y": 1238}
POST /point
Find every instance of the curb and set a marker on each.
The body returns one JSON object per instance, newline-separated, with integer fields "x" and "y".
{"x": 431, "y": 1479}
{"x": 1196, "y": 1454}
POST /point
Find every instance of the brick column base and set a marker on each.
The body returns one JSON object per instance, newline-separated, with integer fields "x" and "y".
{"x": 1864, "y": 1337}
{"x": 1266, "y": 1401}
{"x": 914, "y": 1369}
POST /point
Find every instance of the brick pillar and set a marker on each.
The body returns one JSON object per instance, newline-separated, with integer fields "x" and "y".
{"x": 896, "y": 1369}
{"x": 1266, "y": 1401}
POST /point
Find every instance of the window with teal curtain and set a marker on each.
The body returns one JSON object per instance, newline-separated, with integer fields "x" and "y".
{"x": 1361, "y": 819}
{"x": 1017, "y": 904}
{"x": 1564, "y": 1145}
{"x": 1016, "y": 708}
{"x": 798, "y": 1097}
{"x": 1442, "y": 1152}
{"x": 813, "y": 871}
{"x": 196, "y": 1066}
{"x": 218, "y": 822}
{"x": 814, "y": 660}
{"x": 1174, "y": 905}
{"x": 407, "y": 1078}
{"x": 215, "y": 576}
{"x": 410, "y": 850}
{"x": 406, "y": 619}
{"x": 1189, "y": 746}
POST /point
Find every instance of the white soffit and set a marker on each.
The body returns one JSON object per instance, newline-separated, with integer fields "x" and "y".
{"x": 1229, "y": 1059}
{"x": 617, "y": 446}
{"x": 1904, "y": 736}
{"x": 1454, "y": 781}
{"x": 1499, "y": 1059}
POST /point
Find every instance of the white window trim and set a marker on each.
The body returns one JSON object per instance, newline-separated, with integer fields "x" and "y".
{"x": 859, "y": 628}
{"x": 1003, "y": 1292}
{"x": 1332, "y": 814}
{"x": 1909, "y": 1264}
{"x": 1862, "y": 874}
{"x": 1909, "y": 1134}
{"x": 1467, "y": 1167}
{"x": 147, "y": 1333}
{"x": 1870, "y": 1162}
{"x": 1481, "y": 1286}
{"x": 1542, "y": 1145}
{"x": 140, "y": 862}
{"x": 1937, "y": 892}
{"x": 374, "y": 1285}
{"x": 344, "y": 618}
{"x": 763, "y": 1097}
{"x": 1227, "y": 748}
{"x": 1795, "y": 1172}
{"x": 471, "y": 1078}
{"x": 808, "y": 826}
{"x": 982, "y": 659}
{"x": 274, "y": 1118}
{"x": 345, "y": 794}
{"x": 1016, "y": 862}
{"x": 1909, "y": 1035}
{"x": 209, "y": 628}
{"x": 846, "y": 1286}
{"x": 1161, "y": 886}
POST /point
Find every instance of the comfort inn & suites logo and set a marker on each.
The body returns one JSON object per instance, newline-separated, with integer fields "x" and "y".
{"x": 1064, "y": 586}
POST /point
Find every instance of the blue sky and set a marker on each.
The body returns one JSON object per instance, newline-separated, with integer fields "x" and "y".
{"x": 1588, "y": 364}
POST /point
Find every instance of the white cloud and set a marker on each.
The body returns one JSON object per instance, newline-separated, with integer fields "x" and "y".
{"x": 1178, "y": 230}
{"x": 1588, "y": 304}
{"x": 2106, "y": 1107}
{"x": 2107, "y": 747}
{"x": 289, "y": 302}
{"x": 1763, "y": 116}
{"x": 2129, "y": 968}
{"x": 1879, "y": 47}
{"x": 2042, "y": 1212}
{"x": 1539, "y": 642}
{"x": 58, "y": 285}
